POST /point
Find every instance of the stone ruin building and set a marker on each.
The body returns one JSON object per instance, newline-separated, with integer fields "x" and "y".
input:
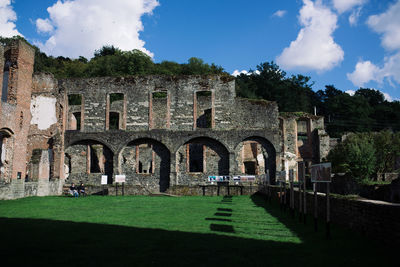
{"x": 160, "y": 131}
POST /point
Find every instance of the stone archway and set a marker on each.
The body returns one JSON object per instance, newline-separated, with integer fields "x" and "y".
{"x": 200, "y": 157}
{"x": 87, "y": 160}
{"x": 256, "y": 156}
{"x": 146, "y": 163}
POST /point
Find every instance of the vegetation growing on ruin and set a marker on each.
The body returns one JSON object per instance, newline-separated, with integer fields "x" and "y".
{"x": 193, "y": 231}
{"x": 365, "y": 111}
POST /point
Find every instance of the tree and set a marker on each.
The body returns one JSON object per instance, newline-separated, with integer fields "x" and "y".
{"x": 269, "y": 82}
{"x": 355, "y": 155}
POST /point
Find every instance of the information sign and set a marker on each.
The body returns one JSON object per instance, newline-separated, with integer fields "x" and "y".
{"x": 104, "y": 179}
{"x": 120, "y": 178}
{"x": 321, "y": 173}
{"x": 218, "y": 178}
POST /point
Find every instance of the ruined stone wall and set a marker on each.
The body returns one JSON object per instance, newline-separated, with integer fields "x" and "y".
{"x": 46, "y": 134}
{"x": 375, "y": 219}
{"x": 15, "y": 110}
{"x": 19, "y": 188}
{"x": 304, "y": 139}
{"x": 179, "y": 111}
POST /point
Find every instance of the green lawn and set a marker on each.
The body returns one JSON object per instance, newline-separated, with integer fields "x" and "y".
{"x": 142, "y": 230}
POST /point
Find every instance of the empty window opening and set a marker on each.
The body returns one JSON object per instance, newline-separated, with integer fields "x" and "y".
{"x": 114, "y": 121}
{"x": 250, "y": 167}
{"x": 160, "y": 95}
{"x": 160, "y": 110}
{"x": 302, "y": 131}
{"x": 6, "y": 73}
{"x": 77, "y": 118}
{"x": 74, "y": 100}
{"x": 204, "y": 94}
{"x": 204, "y": 109}
{"x": 196, "y": 158}
{"x": 148, "y": 168}
{"x": 96, "y": 153}
{"x": 2, "y": 157}
{"x": 145, "y": 159}
{"x": 116, "y": 97}
{"x": 204, "y": 120}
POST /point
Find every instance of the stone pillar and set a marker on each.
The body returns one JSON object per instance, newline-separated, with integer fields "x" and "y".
{"x": 233, "y": 168}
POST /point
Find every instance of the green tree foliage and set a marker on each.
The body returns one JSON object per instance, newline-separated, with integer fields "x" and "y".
{"x": 355, "y": 155}
{"x": 387, "y": 147}
{"x": 112, "y": 61}
{"x": 366, "y": 154}
{"x": 269, "y": 82}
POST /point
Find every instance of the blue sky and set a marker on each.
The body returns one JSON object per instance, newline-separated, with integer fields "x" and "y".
{"x": 347, "y": 43}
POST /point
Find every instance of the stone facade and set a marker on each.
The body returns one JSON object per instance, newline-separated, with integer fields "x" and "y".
{"x": 303, "y": 138}
{"x": 161, "y": 132}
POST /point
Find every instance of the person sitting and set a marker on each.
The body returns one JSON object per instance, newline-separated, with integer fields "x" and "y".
{"x": 81, "y": 190}
{"x": 73, "y": 191}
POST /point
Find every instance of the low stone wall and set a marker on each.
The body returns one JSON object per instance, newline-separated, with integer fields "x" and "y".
{"x": 180, "y": 190}
{"x": 20, "y": 188}
{"x": 376, "y": 219}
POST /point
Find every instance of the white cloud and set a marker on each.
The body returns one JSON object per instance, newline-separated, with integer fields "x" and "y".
{"x": 355, "y": 15}
{"x": 387, "y": 97}
{"x": 345, "y": 5}
{"x": 364, "y": 72}
{"x": 387, "y": 24}
{"x": 279, "y": 13}
{"x": 44, "y": 25}
{"x": 238, "y": 73}
{"x": 79, "y": 27}
{"x": 7, "y": 19}
{"x": 314, "y": 47}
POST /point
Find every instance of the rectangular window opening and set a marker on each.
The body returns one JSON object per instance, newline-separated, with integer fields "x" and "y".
{"x": 250, "y": 167}
{"x": 77, "y": 117}
{"x": 302, "y": 131}
{"x": 196, "y": 158}
{"x": 4, "y": 91}
{"x": 74, "y": 100}
{"x": 204, "y": 109}
{"x": 160, "y": 95}
{"x": 145, "y": 162}
{"x": 116, "y": 97}
{"x": 114, "y": 121}
{"x": 160, "y": 110}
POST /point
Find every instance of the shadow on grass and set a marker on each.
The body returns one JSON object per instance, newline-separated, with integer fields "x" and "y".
{"x": 344, "y": 247}
{"x": 61, "y": 243}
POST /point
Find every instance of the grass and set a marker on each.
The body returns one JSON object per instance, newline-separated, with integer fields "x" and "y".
{"x": 145, "y": 231}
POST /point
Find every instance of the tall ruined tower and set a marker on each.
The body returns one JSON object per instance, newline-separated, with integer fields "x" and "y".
{"x": 16, "y": 69}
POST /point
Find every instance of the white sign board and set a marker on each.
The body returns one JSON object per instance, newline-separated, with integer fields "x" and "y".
{"x": 244, "y": 178}
{"x": 120, "y": 178}
{"x": 321, "y": 173}
{"x": 219, "y": 178}
{"x": 104, "y": 179}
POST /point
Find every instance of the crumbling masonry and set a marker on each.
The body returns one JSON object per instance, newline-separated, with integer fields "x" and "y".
{"x": 160, "y": 131}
